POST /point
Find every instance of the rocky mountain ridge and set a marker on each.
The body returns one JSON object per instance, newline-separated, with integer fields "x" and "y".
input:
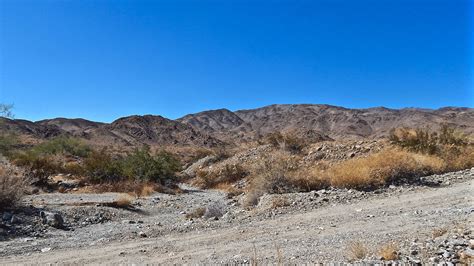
{"x": 217, "y": 127}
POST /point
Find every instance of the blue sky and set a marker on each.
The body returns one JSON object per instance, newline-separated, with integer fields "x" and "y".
{"x": 102, "y": 59}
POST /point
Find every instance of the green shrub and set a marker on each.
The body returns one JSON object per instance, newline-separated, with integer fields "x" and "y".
{"x": 139, "y": 165}
{"x": 142, "y": 165}
{"x": 426, "y": 141}
{"x": 100, "y": 166}
{"x": 37, "y": 167}
{"x": 62, "y": 145}
{"x": 8, "y": 142}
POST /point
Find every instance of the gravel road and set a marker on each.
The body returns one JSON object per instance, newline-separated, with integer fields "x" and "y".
{"x": 315, "y": 227}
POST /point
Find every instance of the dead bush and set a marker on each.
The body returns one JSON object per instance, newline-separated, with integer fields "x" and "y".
{"x": 457, "y": 158}
{"x": 196, "y": 213}
{"x": 272, "y": 175}
{"x": 439, "y": 232}
{"x": 308, "y": 179}
{"x": 227, "y": 174}
{"x": 12, "y": 187}
{"x": 288, "y": 142}
{"x": 389, "y": 252}
{"x": 380, "y": 168}
{"x": 357, "y": 250}
{"x": 280, "y": 202}
{"x": 135, "y": 188}
{"x": 214, "y": 210}
{"x": 124, "y": 201}
{"x": 146, "y": 190}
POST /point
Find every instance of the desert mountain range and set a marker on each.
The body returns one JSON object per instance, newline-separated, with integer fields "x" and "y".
{"x": 217, "y": 127}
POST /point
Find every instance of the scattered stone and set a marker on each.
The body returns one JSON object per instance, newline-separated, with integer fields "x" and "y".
{"x": 7, "y": 216}
{"x": 52, "y": 219}
{"x": 45, "y": 249}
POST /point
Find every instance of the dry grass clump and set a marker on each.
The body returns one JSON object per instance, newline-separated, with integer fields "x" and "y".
{"x": 357, "y": 250}
{"x": 426, "y": 140}
{"x": 458, "y": 158}
{"x": 231, "y": 190}
{"x": 146, "y": 190}
{"x": 227, "y": 174}
{"x": 135, "y": 188}
{"x": 455, "y": 148}
{"x": 386, "y": 166}
{"x": 308, "y": 179}
{"x": 271, "y": 175}
{"x": 124, "y": 201}
{"x": 389, "y": 252}
{"x": 12, "y": 187}
{"x": 280, "y": 202}
{"x": 196, "y": 213}
{"x": 439, "y": 232}
{"x": 288, "y": 142}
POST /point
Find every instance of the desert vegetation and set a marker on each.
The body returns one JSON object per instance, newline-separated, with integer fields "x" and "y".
{"x": 413, "y": 153}
{"x": 289, "y": 142}
{"x": 233, "y": 183}
{"x": 66, "y": 155}
{"x": 12, "y": 186}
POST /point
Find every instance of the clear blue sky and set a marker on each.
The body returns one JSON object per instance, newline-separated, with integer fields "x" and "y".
{"x": 102, "y": 59}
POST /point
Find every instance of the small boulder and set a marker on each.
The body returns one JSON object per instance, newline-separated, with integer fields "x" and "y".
{"x": 15, "y": 220}
{"x": 7, "y": 216}
{"x": 52, "y": 219}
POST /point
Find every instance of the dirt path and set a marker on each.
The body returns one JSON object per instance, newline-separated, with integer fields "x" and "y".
{"x": 317, "y": 235}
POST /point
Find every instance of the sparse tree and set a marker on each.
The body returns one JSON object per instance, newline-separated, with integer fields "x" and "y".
{"x": 7, "y": 140}
{"x": 6, "y": 110}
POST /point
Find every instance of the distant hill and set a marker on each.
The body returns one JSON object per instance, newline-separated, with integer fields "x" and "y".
{"x": 215, "y": 128}
{"x": 334, "y": 121}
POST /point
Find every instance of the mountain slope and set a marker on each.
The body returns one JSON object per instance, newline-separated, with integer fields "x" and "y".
{"x": 334, "y": 121}
{"x": 216, "y": 127}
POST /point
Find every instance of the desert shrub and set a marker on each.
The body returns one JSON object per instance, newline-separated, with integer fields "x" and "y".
{"x": 124, "y": 201}
{"x": 12, "y": 187}
{"x": 196, "y": 213}
{"x": 386, "y": 166}
{"x": 457, "y": 157}
{"x": 357, "y": 250}
{"x": 437, "y": 232}
{"x": 62, "y": 145}
{"x": 272, "y": 174}
{"x": 200, "y": 153}
{"x": 140, "y": 165}
{"x": 310, "y": 178}
{"x": 280, "y": 202}
{"x": 100, "y": 166}
{"x": 417, "y": 140}
{"x": 8, "y": 142}
{"x": 453, "y": 147}
{"x": 448, "y": 135}
{"x": 288, "y": 142}
{"x": 37, "y": 167}
{"x": 215, "y": 210}
{"x": 49, "y": 158}
{"x": 227, "y": 174}
{"x": 221, "y": 154}
{"x": 389, "y": 251}
{"x": 426, "y": 141}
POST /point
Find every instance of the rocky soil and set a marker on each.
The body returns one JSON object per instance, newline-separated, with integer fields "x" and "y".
{"x": 428, "y": 222}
